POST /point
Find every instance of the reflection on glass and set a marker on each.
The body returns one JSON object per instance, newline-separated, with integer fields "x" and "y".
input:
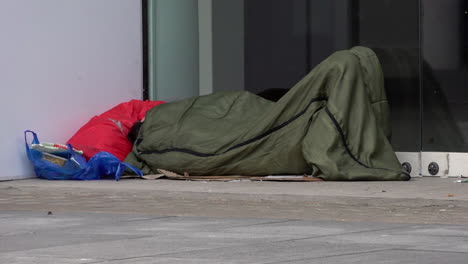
{"x": 445, "y": 75}
{"x": 285, "y": 39}
{"x": 395, "y": 39}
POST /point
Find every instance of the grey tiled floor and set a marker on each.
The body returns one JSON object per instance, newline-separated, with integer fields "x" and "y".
{"x": 30, "y": 237}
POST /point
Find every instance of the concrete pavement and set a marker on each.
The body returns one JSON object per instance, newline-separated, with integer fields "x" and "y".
{"x": 422, "y": 200}
{"x": 136, "y": 221}
{"x": 32, "y": 237}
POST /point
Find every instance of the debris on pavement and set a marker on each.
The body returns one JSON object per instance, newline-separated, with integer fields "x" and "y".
{"x": 461, "y": 181}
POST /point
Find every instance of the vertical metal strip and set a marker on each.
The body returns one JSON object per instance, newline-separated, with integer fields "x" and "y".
{"x": 205, "y": 30}
{"x": 144, "y": 29}
{"x": 421, "y": 78}
{"x": 355, "y": 13}
{"x": 308, "y": 37}
{"x": 151, "y": 7}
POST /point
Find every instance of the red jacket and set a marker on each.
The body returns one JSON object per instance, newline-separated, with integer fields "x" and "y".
{"x": 108, "y": 131}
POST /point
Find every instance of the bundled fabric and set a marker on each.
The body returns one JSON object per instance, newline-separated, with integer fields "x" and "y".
{"x": 333, "y": 124}
{"x": 108, "y": 131}
{"x": 70, "y": 165}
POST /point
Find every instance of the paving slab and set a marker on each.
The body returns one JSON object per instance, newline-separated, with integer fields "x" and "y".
{"x": 144, "y": 238}
{"x": 402, "y": 238}
{"x": 388, "y": 257}
{"x": 273, "y": 252}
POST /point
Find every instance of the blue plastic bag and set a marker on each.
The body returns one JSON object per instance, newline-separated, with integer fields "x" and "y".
{"x": 104, "y": 164}
{"x": 74, "y": 166}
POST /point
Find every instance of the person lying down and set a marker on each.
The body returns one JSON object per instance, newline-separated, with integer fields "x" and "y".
{"x": 333, "y": 124}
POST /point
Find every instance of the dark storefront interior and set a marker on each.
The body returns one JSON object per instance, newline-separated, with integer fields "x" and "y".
{"x": 421, "y": 45}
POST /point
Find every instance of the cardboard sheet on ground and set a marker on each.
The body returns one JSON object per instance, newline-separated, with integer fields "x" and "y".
{"x": 227, "y": 178}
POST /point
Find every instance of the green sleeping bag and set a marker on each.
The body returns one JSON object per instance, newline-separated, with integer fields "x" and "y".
{"x": 333, "y": 124}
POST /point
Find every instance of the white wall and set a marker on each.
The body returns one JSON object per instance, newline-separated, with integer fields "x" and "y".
{"x": 61, "y": 62}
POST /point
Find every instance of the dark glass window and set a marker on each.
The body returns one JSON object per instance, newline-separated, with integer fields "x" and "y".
{"x": 285, "y": 39}
{"x": 445, "y": 75}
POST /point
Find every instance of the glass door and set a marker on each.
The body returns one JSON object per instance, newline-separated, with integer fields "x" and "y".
{"x": 444, "y": 71}
{"x": 392, "y": 30}
{"x": 285, "y": 39}
{"x": 256, "y": 45}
